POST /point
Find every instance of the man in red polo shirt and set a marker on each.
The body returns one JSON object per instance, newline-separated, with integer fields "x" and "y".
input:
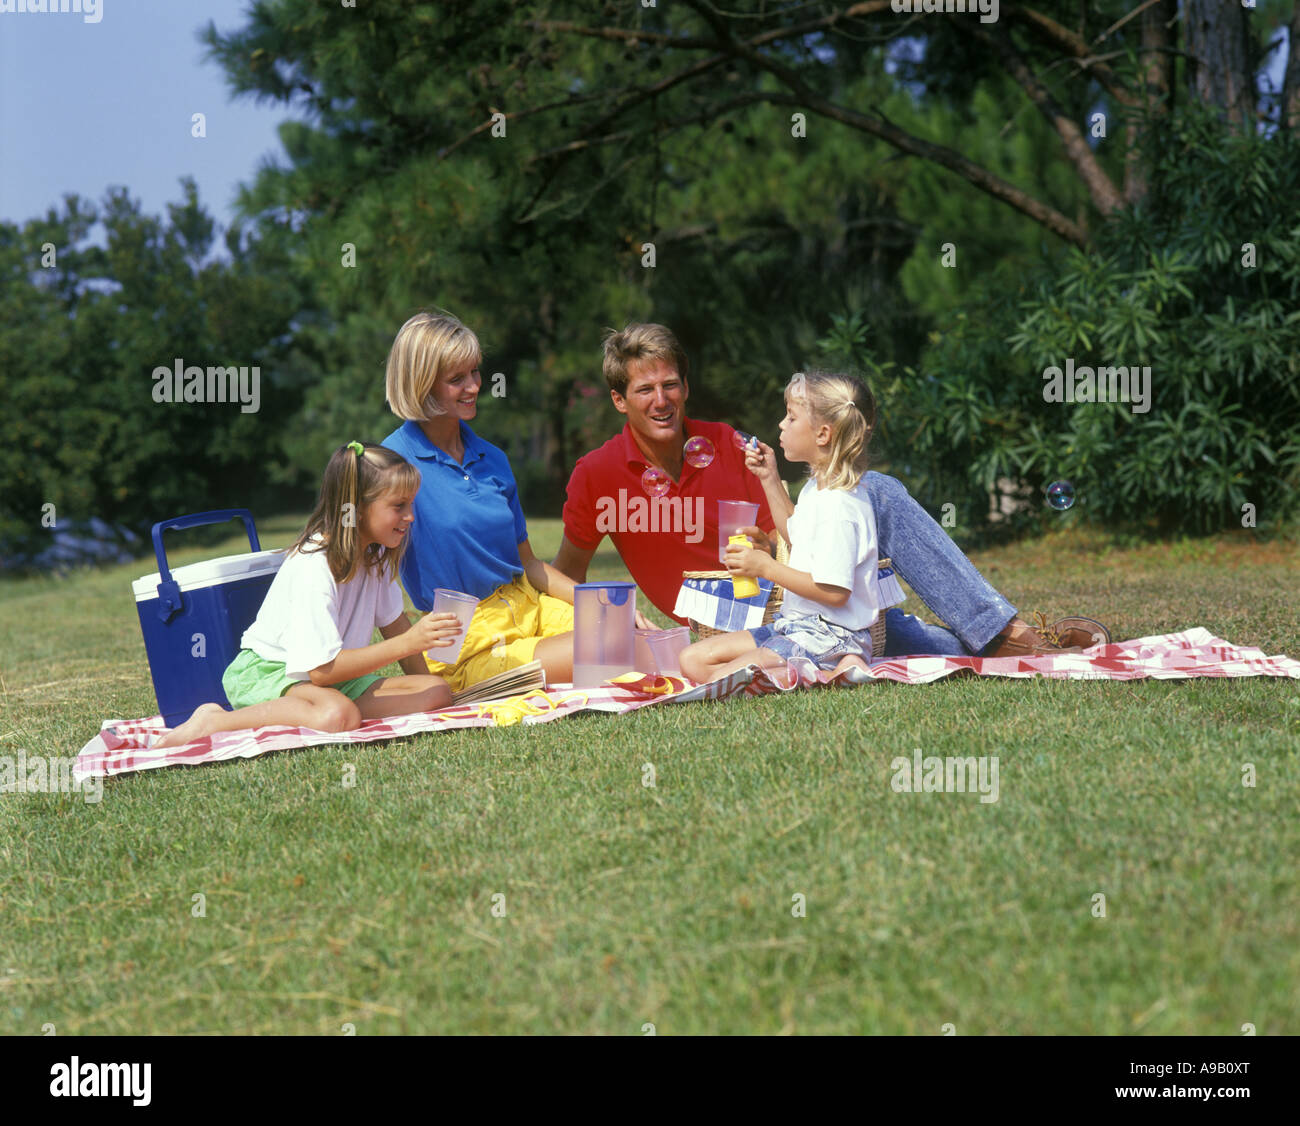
{"x": 646, "y": 367}
{"x": 658, "y": 537}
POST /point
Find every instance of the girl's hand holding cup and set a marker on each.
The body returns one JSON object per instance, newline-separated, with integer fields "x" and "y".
{"x": 759, "y": 538}
{"x": 436, "y": 631}
{"x": 737, "y": 559}
{"x": 745, "y": 562}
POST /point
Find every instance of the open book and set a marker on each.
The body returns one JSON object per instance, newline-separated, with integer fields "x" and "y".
{"x": 512, "y": 682}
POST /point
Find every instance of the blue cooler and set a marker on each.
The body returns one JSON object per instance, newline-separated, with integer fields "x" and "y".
{"x": 193, "y": 618}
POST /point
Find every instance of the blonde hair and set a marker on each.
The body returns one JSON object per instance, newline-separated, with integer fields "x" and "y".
{"x": 640, "y": 342}
{"x": 846, "y": 405}
{"x": 425, "y": 347}
{"x": 351, "y": 484}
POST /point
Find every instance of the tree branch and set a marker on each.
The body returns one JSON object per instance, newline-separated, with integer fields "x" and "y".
{"x": 804, "y": 97}
{"x": 1075, "y": 46}
{"x": 518, "y": 115}
{"x": 852, "y": 12}
{"x": 975, "y": 174}
{"x": 676, "y": 125}
{"x": 947, "y": 158}
{"x": 1125, "y": 18}
{"x": 620, "y": 34}
{"x": 1105, "y": 196}
{"x": 692, "y": 71}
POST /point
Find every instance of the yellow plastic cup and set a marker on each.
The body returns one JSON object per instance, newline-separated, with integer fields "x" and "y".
{"x": 742, "y": 586}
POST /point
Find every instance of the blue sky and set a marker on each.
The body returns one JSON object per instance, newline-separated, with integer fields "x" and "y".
{"x": 87, "y": 105}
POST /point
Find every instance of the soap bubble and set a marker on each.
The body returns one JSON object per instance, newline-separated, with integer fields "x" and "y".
{"x": 698, "y": 451}
{"x": 655, "y": 481}
{"x": 745, "y": 441}
{"x": 1060, "y": 495}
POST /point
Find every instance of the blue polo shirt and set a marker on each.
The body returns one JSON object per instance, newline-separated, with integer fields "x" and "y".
{"x": 468, "y": 523}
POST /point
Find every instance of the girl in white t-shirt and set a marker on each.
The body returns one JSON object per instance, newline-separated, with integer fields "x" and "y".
{"x": 831, "y": 589}
{"x": 307, "y": 660}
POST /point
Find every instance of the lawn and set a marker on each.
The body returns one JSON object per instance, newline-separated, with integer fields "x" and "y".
{"x": 523, "y": 880}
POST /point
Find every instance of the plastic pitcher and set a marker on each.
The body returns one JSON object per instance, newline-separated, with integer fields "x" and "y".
{"x": 604, "y": 621}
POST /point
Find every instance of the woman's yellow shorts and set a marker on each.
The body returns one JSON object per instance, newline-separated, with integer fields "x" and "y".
{"x": 504, "y": 633}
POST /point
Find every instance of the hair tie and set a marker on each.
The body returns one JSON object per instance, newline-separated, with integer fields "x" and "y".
{"x": 357, "y": 448}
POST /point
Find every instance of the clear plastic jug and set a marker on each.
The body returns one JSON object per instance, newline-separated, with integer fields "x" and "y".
{"x": 604, "y": 624}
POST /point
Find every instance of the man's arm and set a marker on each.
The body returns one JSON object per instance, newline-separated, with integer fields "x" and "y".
{"x": 544, "y": 577}
{"x": 573, "y": 560}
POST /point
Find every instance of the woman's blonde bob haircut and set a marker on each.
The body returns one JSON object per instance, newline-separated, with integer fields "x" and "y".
{"x": 846, "y": 405}
{"x": 425, "y": 347}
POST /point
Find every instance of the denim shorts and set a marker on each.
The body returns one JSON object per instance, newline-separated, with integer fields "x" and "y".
{"x": 813, "y": 638}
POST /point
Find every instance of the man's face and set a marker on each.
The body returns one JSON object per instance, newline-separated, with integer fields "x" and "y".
{"x": 655, "y": 403}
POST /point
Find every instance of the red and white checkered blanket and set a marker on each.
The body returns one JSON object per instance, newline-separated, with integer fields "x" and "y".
{"x": 123, "y": 745}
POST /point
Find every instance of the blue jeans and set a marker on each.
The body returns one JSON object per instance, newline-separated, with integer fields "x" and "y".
{"x": 942, "y": 577}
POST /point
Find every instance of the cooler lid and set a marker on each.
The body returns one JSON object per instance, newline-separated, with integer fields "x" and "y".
{"x": 212, "y": 572}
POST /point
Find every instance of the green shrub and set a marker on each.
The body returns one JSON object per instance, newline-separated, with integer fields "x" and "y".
{"x": 1168, "y": 284}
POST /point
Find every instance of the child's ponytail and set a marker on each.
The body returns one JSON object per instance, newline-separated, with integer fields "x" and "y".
{"x": 347, "y": 535}
{"x": 846, "y": 405}
{"x": 357, "y": 474}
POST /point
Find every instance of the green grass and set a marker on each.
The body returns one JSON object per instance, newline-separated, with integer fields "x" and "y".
{"x": 624, "y": 905}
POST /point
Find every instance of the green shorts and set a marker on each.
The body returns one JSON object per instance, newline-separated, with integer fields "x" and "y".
{"x": 251, "y": 679}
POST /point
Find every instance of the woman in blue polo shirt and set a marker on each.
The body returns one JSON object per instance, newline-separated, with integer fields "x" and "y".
{"x": 469, "y": 532}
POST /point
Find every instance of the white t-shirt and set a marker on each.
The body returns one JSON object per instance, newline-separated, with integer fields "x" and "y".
{"x": 833, "y": 538}
{"x": 308, "y": 618}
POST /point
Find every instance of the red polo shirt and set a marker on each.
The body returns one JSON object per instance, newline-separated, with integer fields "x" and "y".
{"x": 659, "y": 538}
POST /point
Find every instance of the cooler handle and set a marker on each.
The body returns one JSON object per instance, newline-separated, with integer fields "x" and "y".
{"x": 169, "y": 591}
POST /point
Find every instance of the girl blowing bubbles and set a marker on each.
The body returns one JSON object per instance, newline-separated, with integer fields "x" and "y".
{"x": 831, "y": 597}
{"x": 307, "y": 660}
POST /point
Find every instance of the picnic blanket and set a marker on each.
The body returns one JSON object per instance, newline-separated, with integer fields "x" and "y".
{"x": 123, "y": 746}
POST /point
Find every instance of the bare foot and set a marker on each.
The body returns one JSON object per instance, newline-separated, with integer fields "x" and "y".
{"x": 852, "y": 661}
{"x": 196, "y": 727}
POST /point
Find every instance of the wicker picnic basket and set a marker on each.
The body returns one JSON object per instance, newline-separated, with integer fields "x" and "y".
{"x": 778, "y": 596}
